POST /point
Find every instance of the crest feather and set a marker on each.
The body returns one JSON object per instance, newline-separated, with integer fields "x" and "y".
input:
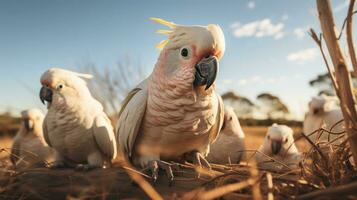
{"x": 171, "y": 25}
{"x": 162, "y": 44}
{"x": 85, "y": 76}
{"x": 165, "y": 32}
{"x": 163, "y": 22}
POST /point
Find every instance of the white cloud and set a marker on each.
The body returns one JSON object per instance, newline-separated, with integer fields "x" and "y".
{"x": 265, "y": 80}
{"x": 258, "y": 29}
{"x": 235, "y": 25}
{"x": 303, "y": 55}
{"x": 255, "y": 79}
{"x": 299, "y": 32}
{"x": 340, "y": 7}
{"x": 227, "y": 81}
{"x": 271, "y": 80}
{"x": 242, "y": 82}
{"x": 251, "y": 5}
{"x": 284, "y": 17}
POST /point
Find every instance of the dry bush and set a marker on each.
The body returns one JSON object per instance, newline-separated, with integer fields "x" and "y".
{"x": 110, "y": 85}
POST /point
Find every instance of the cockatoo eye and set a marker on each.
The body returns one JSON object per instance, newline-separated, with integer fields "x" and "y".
{"x": 60, "y": 86}
{"x": 286, "y": 140}
{"x": 185, "y": 53}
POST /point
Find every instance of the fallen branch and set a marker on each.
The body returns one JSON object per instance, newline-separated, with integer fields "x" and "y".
{"x": 341, "y": 191}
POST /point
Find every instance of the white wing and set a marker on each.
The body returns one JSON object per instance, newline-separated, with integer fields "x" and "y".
{"x": 130, "y": 118}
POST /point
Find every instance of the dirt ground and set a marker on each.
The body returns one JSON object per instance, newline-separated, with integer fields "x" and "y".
{"x": 113, "y": 183}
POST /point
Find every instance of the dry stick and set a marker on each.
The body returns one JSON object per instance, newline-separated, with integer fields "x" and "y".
{"x": 315, "y": 147}
{"x": 336, "y": 139}
{"x": 135, "y": 176}
{"x": 218, "y": 192}
{"x": 254, "y": 174}
{"x": 343, "y": 25}
{"x": 337, "y": 123}
{"x": 349, "y": 37}
{"x": 271, "y": 158}
{"x": 342, "y": 190}
{"x": 332, "y": 127}
{"x": 318, "y": 41}
{"x": 226, "y": 189}
{"x": 218, "y": 177}
{"x": 342, "y": 73}
{"x": 270, "y": 186}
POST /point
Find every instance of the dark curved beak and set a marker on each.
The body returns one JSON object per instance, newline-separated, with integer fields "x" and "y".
{"x": 316, "y": 111}
{"x": 275, "y": 146}
{"x": 46, "y": 94}
{"x": 206, "y": 72}
{"x": 28, "y": 125}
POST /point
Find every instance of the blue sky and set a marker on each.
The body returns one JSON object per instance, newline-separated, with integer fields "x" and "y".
{"x": 267, "y": 48}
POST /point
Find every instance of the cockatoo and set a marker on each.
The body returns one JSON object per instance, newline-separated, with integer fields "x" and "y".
{"x": 279, "y": 145}
{"x": 75, "y": 125}
{"x": 29, "y": 147}
{"x": 175, "y": 113}
{"x": 324, "y": 112}
{"x": 229, "y": 146}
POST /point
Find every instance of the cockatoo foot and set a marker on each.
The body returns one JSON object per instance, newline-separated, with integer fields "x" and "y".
{"x": 58, "y": 165}
{"x": 85, "y": 167}
{"x": 154, "y": 167}
{"x": 198, "y": 160}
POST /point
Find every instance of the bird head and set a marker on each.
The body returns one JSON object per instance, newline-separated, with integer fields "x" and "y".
{"x": 195, "y": 49}
{"x": 231, "y": 123}
{"x": 63, "y": 87}
{"x": 321, "y": 104}
{"x": 279, "y": 139}
{"x": 32, "y": 120}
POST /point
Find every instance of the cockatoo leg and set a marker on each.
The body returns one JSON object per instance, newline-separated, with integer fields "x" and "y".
{"x": 95, "y": 160}
{"x": 59, "y": 162}
{"x": 86, "y": 167}
{"x": 197, "y": 159}
{"x": 155, "y": 165}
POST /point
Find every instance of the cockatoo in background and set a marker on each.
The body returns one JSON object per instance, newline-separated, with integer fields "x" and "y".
{"x": 324, "y": 112}
{"x": 175, "y": 113}
{"x": 75, "y": 125}
{"x": 279, "y": 145}
{"x": 29, "y": 147}
{"x": 229, "y": 146}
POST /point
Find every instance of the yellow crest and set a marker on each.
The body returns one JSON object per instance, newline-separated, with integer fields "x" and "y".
{"x": 171, "y": 25}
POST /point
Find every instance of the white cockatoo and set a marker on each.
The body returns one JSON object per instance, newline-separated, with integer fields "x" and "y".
{"x": 229, "y": 146}
{"x": 324, "y": 112}
{"x": 279, "y": 145}
{"x": 175, "y": 113}
{"x": 29, "y": 147}
{"x": 75, "y": 125}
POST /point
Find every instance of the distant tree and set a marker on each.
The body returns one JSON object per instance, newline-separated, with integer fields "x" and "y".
{"x": 323, "y": 83}
{"x": 241, "y": 105}
{"x": 111, "y": 85}
{"x": 272, "y": 106}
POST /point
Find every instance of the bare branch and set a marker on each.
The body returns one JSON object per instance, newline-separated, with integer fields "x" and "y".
{"x": 343, "y": 77}
{"x": 349, "y": 37}
{"x": 111, "y": 84}
{"x": 318, "y": 41}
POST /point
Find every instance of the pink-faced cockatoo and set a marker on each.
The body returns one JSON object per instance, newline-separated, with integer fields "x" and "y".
{"x": 229, "y": 146}
{"x": 278, "y": 150}
{"x": 324, "y": 112}
{"x": 75, "y": 125}
{"x": 29, "y": 147}
{"x": 175, "y": 113}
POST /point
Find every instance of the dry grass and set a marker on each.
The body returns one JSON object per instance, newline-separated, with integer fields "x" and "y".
{"x": 223, "y": 181}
